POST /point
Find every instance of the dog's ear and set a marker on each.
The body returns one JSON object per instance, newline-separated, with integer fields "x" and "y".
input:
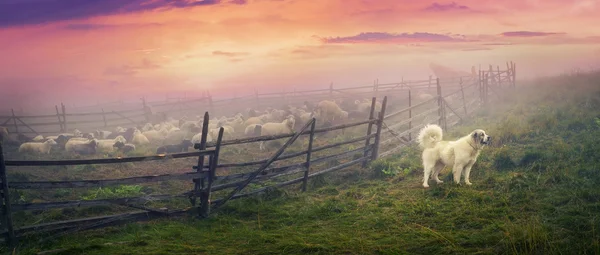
{"x": 475, "y": 135}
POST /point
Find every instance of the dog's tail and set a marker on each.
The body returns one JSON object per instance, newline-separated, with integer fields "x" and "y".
{"x": 429, "y": 136}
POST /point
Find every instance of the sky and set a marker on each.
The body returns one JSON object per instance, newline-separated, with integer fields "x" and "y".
{"x": 86, "y": 52}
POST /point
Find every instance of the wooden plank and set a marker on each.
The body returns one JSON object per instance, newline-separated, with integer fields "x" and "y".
{"x": 107, "y": 160}
{"x": 279, "y": 170}
{"x": 86, "y": 203}
{"x": 409, "y": 120}
{"x": 409, "y": 108}
{"x": 379, "y": 127}
{"x": 105, "y": 182}
{"x": 275, "y": 137}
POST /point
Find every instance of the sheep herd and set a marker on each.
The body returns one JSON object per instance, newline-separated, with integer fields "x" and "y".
{"x": 178, "y": 135}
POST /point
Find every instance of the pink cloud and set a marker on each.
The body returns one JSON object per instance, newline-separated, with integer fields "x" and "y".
{"x": 383, "y": 37}
{"x": 529, "y": 34}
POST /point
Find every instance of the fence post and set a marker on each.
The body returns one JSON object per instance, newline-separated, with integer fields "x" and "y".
{"x": 308, "y": 154}
{"x": 429, "y": 82}
{"x": 104, "y": 117}
{"x": 485, "y": 88}
{"x": 6, "y": 209}
{"x": 213, "y": 162}
{"x": 369, "y": 129}
{"x": 409, "y": 114}
{"x": 199, "y": 183}
{"x": 440, "y": 102}
{"x": 15, "y": 121}
{"x": 147, "y": 112}
{"x": 331, "y": 90}
{"x": 499, "y": 77}
{"x": 257, "y": 102}
{"x": 60, "y": 123}
{"x": 64, "y": 115}
{"x": 462, "y": 93}
{"x": 375, "y": 153}
{"x": 514, "y": 76}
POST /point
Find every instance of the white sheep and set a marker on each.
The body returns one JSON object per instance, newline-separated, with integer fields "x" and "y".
{"x": 365, "y": 107}
{"x": 197, "y": 138}
{"x": 227, "y": 131}
{"x": 38, "y": 148}
{"x": 254, "y": 120}
{"x": 102, "y": 134}
{"x": 328, "y": 110}
{"x": 38, "y": 138}
{"x": 251, "y": 130}
{"x": 3, "y": 134}
{"x": 147, "y": 127}
{"x": 106, "y": 145}
{"x": 273, "y": 128}
{"x": 139, "y": 138}
{"x": 156, "y": 135}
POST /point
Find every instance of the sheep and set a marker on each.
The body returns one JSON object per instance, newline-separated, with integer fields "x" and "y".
{"x": 227, "y": 130}
{"x": 106, "y": 145}
{"x": 365, "y": 107}
{"x": 273, "y": 128}
{"x": 197, "y": 138}
{"x": 182, "y": 147}
{"x": 124, "y": 147}
{"x": 328, "y": 110}
{"x": 85, "y": 148}
{"x": 254, "y": 120}
{"x": 139, "y": 138}
{"x": 101, "y": 134}
{"x": 38, "y": 138}
{"x": 39, "y": 148}
{"x": 147, "y": 127}
{"x": 3, "y": 134}
{"x": 253, "y": 130}
{"x": 156, "y": 135}
{"x": 127, "y": 134}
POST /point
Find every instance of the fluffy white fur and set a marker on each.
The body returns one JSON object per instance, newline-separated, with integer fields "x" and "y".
{"x": 250, "y": 130}
{"x": 460, "y": 154}
{"x": 197, "y": 138}
{"x": 139, "y": 138}
{"x": 38, "y": 148}
{"x": 107, "y": 145}
{"x": 3, "y": 134}
{"x": 329, "y": 110}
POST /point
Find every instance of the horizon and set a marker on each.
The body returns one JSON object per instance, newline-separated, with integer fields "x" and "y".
{"x": 88, "y": 52}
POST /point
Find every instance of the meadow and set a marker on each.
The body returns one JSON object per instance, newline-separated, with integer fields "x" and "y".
{"x": 534, "y": 192}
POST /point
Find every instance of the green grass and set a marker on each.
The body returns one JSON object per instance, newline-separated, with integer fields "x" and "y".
{"x": 535, "y": 191}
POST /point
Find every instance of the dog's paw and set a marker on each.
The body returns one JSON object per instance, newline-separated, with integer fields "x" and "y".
{"x": 440, "y": 182}
{"x": 425, "y": 185}
{"x": 469, "y": 183}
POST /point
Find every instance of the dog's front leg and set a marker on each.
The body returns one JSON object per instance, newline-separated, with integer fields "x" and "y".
{"x": 456, "y": 171}
{"x": 468, "y": 172}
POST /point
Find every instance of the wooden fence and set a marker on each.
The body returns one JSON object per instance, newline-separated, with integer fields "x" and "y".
{"x": 447, "y": 110}
{"x": 110, "y": 116}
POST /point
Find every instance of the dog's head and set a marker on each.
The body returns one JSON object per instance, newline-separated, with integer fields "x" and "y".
{"x": 480, "y": 137}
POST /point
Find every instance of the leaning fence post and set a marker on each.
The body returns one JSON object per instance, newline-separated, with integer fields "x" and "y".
{"x": 199, "y": 183}
{"x": 331, "y": 90}
{"x": 514, "y": 76}
{"x": 15, "y": 121}
{"x": 308, "y": 154}
{"x": 214, "y": 161}
{"x": 375, "y": 153}
{"x": 104, "y": 117}
{"x": 60, "y": 123}
{"x": 369, "y": 129}
{"x": 6, "y": 209}
{"x": 64, "y": 115}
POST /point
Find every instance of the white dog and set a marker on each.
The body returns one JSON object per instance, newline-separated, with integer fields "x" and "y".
{"x": 460, "y": 154}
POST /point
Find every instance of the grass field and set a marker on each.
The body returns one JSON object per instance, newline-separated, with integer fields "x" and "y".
{"x": 535, "y": 191}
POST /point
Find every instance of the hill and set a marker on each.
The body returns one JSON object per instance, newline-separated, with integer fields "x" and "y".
{"x": 534, "y": 192}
